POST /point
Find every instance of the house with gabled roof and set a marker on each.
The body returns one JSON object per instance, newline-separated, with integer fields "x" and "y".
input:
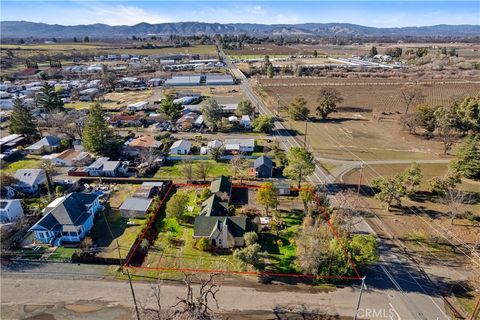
{"x": 263, "y": 167}
{"x": 44, "y": 145}
{"x": 67, "y": 219}
{"x": 223, "y": 232}
{"x": 29, "y": 180}
{"x": 222, "y": 187}
{"x": 214, "y": 221}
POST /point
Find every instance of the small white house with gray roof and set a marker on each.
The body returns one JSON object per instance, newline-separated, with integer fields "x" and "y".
{"x": 29, "y": 180}
{"x": 10, "y": 211}
{"x": 181, "y": 147}
{"x": 47, "y": 144}
{"x": 239, "y": 145}
{"x": 105, "y": 167}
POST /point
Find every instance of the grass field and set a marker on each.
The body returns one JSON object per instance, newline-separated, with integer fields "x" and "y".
{"x": 29, "y": 162}
{"x": 123, "y": 233}
{"x": 62, "y": 253}
{"x": 114, "y": 100}
{"x": 173, "y": 169}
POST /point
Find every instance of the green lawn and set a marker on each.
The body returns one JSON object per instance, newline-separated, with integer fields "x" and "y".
{"x": 123, "y": 233}
{"x": 174, "y": 247}
{"x": 62, "y": 253}
{"x": 173, "y": 169}
{"x": 281, "y": 251}
{"x": 29, "y": 162}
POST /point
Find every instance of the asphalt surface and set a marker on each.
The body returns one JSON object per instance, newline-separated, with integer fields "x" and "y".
{"x": 411, "y": 294}
{"x": 32, "y": 289}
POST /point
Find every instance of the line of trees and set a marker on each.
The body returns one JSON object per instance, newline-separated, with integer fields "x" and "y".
{"x": 327, "y": 102}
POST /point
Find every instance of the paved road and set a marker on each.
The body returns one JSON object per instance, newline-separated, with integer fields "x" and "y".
{"x": 395, "y": 271}
{"x": 27, "y": 286}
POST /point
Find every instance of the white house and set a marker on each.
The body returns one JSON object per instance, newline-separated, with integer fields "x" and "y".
{"x": 29, "y": 180}
{"x": 104, "y": 167}
{"x": 45, "y": 145}
{"x": 67, "y": 219}
{"x": 245, "y": 122}
{"x": 239, "y": 145}
{"x": 70, "y": 158}
{"x": 181, "y": 147}
{"x": 10, "y": 210}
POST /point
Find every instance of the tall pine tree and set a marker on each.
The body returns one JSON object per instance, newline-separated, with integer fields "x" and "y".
{"x": 22, "y": 122}
{"x": 98, "y": 137}
{"x": 48, "y": 99}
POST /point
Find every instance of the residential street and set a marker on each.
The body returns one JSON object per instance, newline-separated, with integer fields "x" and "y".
{"x": 71, "y": 291}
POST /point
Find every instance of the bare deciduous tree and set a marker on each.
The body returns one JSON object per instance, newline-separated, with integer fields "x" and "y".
{"x": 348, "y": 210}
{"x": 187, "y": 168}
{"x": 411, "y": 96}
{"x": 196, "y": 305}
{"x": 202, "y": 169}
{"x": 454, "y": 199}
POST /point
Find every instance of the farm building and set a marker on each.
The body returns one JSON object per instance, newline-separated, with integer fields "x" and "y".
{"x": 219, "y": 80}
{"x": 184, "y": 80}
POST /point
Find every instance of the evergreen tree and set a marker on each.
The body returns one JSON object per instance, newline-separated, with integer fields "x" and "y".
{"x": 373, "y": 51}
{"x": 212, "y": 113}
{"x": 98, "y": 138}
{"x": 48, "y": 98}
{"x": 467, "y": 162}
{"x": 22, "y": 122}
{"x": 315, "y": 53}
{"x": 270, "y": 71}
{"x": 328, "y": 102}
{"x": 245, "y": 108}
{"x": 301, "y": 164}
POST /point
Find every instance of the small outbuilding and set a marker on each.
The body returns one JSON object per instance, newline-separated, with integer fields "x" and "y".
{"x": 135, "y": 207}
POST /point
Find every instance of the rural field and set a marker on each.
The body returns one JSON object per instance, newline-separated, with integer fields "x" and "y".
{"x": 366, "y": 95}
{"x": 66, "y": 52}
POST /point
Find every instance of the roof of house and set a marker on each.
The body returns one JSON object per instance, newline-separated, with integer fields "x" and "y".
{"x": 51, "y": 141}
{"x": 214, "y": 206}
{"x": 240, "y": 142}
{"x": 205, "y": 225}
{"x": 263, "y": 161}
{"x": 145, "y": 141}
{"x": 71, "y": 154}
{"x": 136, "y": 204}
{"x": 66, "y": 213}
{"x": 221, "y": 184}
{"x": 184, "y": 144}
{"x": 146, "y": 191}
{"x": 30, "y": 176}
{"x": 104, "y": 164}
{"x": 215, "y": 144}
{"x": 6, "y": 203}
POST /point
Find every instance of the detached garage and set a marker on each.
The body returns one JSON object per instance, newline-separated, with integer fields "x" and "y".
{"x": 135, "y": 207}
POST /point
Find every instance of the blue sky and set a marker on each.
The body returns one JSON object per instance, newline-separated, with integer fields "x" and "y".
{"x": 371, "y": 13}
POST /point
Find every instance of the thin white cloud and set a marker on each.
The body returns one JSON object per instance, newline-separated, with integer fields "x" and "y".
{"x": 124, "y": 15}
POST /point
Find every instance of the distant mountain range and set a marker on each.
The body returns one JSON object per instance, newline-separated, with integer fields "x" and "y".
{"x": 24, "y": 29}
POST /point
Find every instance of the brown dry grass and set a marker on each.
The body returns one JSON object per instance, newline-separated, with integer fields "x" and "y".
{"x": 378, "y": 95}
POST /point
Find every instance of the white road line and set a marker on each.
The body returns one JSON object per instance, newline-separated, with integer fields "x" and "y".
{"x": 396, "y": 313}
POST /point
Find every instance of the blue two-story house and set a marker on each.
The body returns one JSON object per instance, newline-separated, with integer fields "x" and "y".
{"x": 67, "y": 219}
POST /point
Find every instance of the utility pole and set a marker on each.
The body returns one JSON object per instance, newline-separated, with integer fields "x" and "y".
{"x": 129, "y": 279}
{"x": 305, "y": 137}
{"x": 360, "y": 298}
{"x": 362, "y": 165}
